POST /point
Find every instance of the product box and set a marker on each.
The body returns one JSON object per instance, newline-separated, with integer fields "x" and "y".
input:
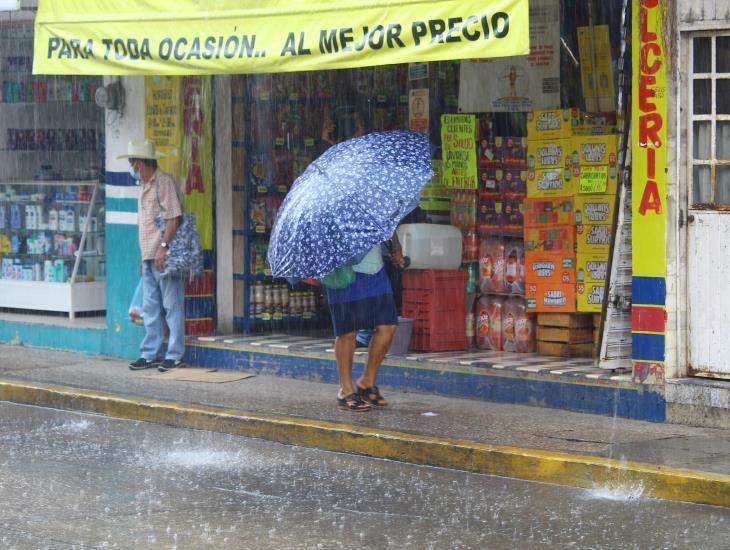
{"x": 549, "y": 211}
{"x": 549, "y": 153}
{"x": 550, "y": 267}
{"x": 488, "y": 181}
{"x": 602, "y": 180}
{"x": 594, "y": 209}
{"x": 559, "y": 238}
{"x": 489, "y": 218}
{"x": 594, "y": 150}
{"x": 489, "y": 151}
{"x": 512, "y": 219}
{"x": 550, "y": 183}
{"x": 512, "y": 180}
{"x": 589, "y": 297}
{"x": 552, "y": 124}
{"x": 550, "y": 298}
{"x": 514, "y": 152}
{"x": 593, "y": 239}
{"x": 591, "y": 268}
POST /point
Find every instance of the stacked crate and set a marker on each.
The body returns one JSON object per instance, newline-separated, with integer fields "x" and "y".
{"x": 435, "y": 300}
{"x": 565, "y": 334}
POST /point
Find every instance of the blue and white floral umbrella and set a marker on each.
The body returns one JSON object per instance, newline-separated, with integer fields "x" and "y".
{"x": 348, "y": 200}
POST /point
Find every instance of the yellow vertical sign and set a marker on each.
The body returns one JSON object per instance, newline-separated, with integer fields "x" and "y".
{"x": 178, "y": 117}
{"x": 162, "y": 119}
{"x": 649, "y": 139}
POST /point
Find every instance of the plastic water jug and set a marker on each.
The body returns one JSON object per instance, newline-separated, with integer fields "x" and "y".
{"x": 431, "y": 246}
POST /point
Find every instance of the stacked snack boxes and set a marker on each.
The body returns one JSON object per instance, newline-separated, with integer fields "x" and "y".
{"x": 595, "y": 169}
{"x": 502, "y": 322}
{"x": 550, "y": 233}
{"x": 571, "y": 189}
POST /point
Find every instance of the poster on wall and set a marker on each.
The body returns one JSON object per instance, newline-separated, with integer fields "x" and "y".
{"x": 458, "y": 149}
{"x": 162, "y": 119}
{"x": 418, "y": 111}
{"x": 178, "y": 118}
{"x": 519, "y": 83}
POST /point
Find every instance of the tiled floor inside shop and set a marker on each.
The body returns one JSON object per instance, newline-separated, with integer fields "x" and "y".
{"x": 498, "y": 360}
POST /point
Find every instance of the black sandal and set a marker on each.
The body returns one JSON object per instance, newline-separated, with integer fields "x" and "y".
{"x": 372, "y": 395}
{"x": 353, "y": 402}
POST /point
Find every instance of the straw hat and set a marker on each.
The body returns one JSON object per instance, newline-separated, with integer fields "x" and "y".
{"x": 141, "y": 149}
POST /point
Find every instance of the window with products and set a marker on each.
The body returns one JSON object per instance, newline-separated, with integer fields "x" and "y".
{"x": 51, "y": 200}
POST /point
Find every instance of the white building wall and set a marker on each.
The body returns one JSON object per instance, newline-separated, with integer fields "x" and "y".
{"x": 684, "y": 17}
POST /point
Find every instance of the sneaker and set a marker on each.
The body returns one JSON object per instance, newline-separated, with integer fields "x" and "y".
{"x": 142, "y": 363}
{"x": 168, "y": 364}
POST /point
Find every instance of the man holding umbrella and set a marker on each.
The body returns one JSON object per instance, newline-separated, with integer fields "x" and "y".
{"x": 330, "y": 227}
{"x": 366, "y": 303}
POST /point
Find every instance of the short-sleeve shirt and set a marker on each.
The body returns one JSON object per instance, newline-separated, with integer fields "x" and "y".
{"x": 149, "y": 208}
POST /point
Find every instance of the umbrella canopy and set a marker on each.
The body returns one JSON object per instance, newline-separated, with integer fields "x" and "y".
{"x": 348, "y": 200}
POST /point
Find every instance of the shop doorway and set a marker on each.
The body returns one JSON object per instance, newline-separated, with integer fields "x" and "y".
{"x": 708, "y": 171}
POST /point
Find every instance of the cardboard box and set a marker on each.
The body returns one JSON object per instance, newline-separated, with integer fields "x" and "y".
{"x": 550, "y": 298}
{"x": 552, "y": 124}
{"x": 514, "y": 152}
{"x": 550, "y": 183}
{"x": 594, "y": 150}
{"x": 593, "y": 239}
{"x": 488, "y": 181}
{"x": 589, "y": 297}
{"x": 549, "y": 211}
{"x": 489, "y": 218}
{"x": 550, "y": 267}
{"x": 512, "y": 220}
{"x": 511, "y": 180}
{"x": 565, "y": 335}
{"x": 601, "y": 180}
{"x": 489, "y": 151}
{"x": 567, "y": 320}
{"x": 559, "y": 238}
{"x": 591, "y": 268}
{"x": 593, "y": 209}
{"x": 565, "y": 350}
{"x": 549, "y": 153}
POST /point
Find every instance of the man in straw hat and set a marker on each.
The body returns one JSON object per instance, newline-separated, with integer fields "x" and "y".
{"x": 163, "y": 296}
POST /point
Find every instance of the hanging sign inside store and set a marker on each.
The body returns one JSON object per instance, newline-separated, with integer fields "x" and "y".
{"x": 189, "y": 37}
{"x": 649, "y": 134}
{"x": 459, "y": 151}
{"x": 418, "y": 111}
{"x": 523, "y": 83}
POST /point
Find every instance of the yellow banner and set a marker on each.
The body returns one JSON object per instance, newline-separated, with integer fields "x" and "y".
{"x": 190, "y": 37}
{"x": 649, "y": 135}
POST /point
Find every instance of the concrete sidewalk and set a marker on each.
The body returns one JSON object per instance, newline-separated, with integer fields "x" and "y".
{"x": 669, "y": 461}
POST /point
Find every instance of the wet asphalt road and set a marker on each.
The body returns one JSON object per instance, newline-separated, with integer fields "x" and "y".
{"x": 69, "y": 480}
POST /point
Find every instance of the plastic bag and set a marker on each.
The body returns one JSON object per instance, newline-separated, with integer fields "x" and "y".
{"x": 341, "y": 277}
{"x": 135, "y": 308}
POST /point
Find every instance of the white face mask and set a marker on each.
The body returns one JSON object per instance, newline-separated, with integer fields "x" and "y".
{"x": 135, "y": 175}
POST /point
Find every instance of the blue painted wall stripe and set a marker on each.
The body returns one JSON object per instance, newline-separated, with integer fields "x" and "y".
{"x": 197, "y": 307}
{"x": 641, "y": 404}
{"x": 118, "y": 178}
{"x": 647, "y": 347}
{"x": 121, "y": 205}
{"x": 648, "y": 291}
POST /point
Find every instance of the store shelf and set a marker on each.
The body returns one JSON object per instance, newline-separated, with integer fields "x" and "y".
{"x": 41, "y": 257}
{"x": 57, "y": 183}
{"x": 62, "y": 297}
{"x": 55, "y": 102}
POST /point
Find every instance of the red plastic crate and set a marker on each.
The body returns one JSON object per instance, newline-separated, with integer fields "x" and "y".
{"x": 436, "y": 300}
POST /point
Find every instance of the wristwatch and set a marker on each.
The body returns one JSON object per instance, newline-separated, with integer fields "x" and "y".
{"x": 163, "y": 244}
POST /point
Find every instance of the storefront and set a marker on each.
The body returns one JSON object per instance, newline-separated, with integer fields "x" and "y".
{"x": 528, "y": 149}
